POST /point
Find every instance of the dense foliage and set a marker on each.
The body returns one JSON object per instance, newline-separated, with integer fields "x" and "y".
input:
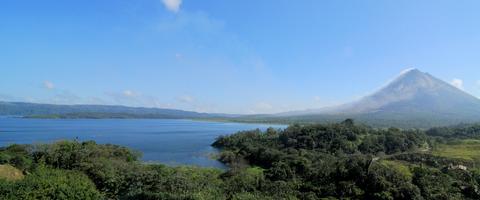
{"x": 458, "y": 131}
{"x": 336, "y": 161}
{"x": 86, "y": 170}
{"x": 48, "y": 183}
{"x": 347, "y": 161}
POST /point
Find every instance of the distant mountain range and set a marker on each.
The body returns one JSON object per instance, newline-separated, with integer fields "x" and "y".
{"x": 414, "y": 99}
{"x": 34, "y": 110}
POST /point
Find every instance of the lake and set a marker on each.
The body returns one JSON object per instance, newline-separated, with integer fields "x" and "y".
{"x": 172, "y": 142}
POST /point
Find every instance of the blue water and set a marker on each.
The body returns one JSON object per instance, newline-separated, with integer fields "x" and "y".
{"x": 172, "y": 142}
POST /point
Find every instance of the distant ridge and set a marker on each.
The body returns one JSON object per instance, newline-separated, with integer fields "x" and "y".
{"x": 97, "y": 111}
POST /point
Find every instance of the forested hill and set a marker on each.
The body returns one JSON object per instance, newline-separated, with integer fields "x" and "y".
{"x": 96, "y": 111}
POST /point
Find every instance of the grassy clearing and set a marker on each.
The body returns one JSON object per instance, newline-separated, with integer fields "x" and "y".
{"x": 463, "y": 149}
{"x": 10, "y": 173}
{"x": 399, "y": 167}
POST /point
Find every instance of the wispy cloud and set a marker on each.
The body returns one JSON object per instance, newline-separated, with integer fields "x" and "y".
{"x": 48, "y": 85}
{"x": 458, "y": 83}
{"x": 126, "y": 97}
{"x": 65, "y": 97}
{"x": 407, "y": 70}
{"x": 172, "y": 5}
{"x": 198, "y": 23}
{"x": 320, "y": 102}
{"x": 133, "y": 98}
{"x": 261, "y": 108}
{"x": 129, "y": 93}
{"x": 185, "y": 99}
{"x": 4, "y": 97}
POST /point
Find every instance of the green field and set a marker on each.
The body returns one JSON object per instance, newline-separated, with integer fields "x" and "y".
{"x": 398, "y": 166}
{"x": 462, "y": 149}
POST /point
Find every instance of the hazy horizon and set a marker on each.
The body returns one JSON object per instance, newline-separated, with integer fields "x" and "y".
{"x": 241, "y": 57}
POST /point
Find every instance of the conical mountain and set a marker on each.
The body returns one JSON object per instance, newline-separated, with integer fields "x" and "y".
{"x": 416, "y": 92}
{"x": 413, "y": 99}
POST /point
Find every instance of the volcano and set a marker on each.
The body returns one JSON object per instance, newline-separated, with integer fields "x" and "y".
{"x": 413, "y": 96}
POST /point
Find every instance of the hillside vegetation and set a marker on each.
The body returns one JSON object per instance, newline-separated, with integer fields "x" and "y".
{"x": 335, "y": 161}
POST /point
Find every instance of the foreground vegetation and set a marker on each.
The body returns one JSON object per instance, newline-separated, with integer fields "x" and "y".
{"x": 336, "y": 161}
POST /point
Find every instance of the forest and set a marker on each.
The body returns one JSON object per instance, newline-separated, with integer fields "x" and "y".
{"x": 318, "y": 161}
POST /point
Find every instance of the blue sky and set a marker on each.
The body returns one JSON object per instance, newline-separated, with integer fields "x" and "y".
{"x": 239, "y": 56}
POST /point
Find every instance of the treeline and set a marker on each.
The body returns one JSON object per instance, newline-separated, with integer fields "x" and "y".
{"x": 377, "y": 120}
{"x": 334, "y": 161}
{"x": 461, "y": 131}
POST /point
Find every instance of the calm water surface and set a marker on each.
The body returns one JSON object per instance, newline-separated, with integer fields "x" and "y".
{"x": 170, "y": 142}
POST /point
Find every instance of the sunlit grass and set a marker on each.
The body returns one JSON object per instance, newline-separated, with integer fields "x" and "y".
{"x": 463, "y": 149}
{"x": 399, "y": 167}
{"x": 10, "y": 173}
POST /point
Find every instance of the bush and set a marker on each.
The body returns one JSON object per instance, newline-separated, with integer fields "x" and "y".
{"x": 45, "y": 183}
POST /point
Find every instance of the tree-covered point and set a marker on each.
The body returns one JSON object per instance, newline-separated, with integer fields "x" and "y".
{"x": 333, "y": 139}
{"x": 334, "y": 161}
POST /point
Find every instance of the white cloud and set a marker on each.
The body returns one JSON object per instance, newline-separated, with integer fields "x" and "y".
{"x": 48, "y": 85}
{"x": 407, "y": 70}
{"x": 135, "y": 99}
{"x": 261, "y": 108}
{"x": 65, "y": 97}
{"x": 458, "y": 83}
{"x": 199, "y": 24}
{"x": 129, "y": 93}
{"x": 186, "y": 99}
{"x": 172, "y": 5}
{"x": 96, "y": 101}
{"x": 320, "y": 102}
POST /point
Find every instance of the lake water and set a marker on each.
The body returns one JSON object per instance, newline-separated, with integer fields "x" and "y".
{"x": 172, "y": 142}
